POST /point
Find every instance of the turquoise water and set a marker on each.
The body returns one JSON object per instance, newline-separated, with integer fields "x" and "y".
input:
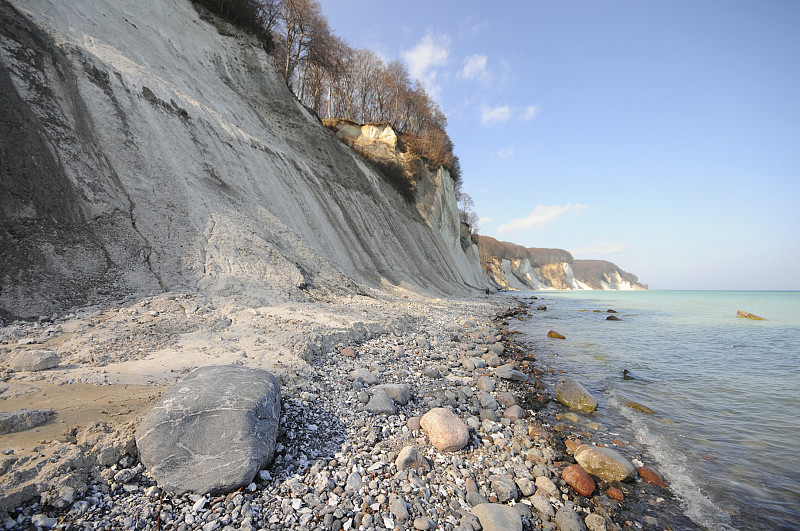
{"x": 726, "y": 391}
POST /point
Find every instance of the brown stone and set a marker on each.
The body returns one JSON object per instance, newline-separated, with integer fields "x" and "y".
{"x": 445, "y": 430}
{"x": 515, "y": 412}
{"x": 506, "y": 399}
{"x": 572, "y": 445}
{"x": 577, "y": 478}
{"x": 650, "y": 476}
{"x": 348, "y": 352}
{"x": 640, "y": 407}
{"x": 747, "y": 315}
{"x": 413, "y": 423}
{"x": 555, "y": 335}
{"x": 615, "y": 494}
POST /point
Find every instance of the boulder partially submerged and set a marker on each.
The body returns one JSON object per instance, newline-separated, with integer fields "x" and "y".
{"x": 213, "y": 430}
{"x": 747, "y": 315}
{"x": 605, "y": 463}
{"x": 574, "y": 395}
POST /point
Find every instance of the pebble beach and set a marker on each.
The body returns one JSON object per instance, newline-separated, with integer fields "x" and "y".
{"x": 351, "y": 453}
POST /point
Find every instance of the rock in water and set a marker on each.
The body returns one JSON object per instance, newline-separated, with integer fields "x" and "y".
{"x": 213, "y": 430}
{"x": 555, "y": 335}
{"x": 574, "y": 395}
{"x": 747, "y": 315}
{"x": 446, "y": 431}
{"x": 605, "y": 463}
{"x": 649, "y": 475}
{"x": 640, "y": 407}
{"x": 498, "y": 517}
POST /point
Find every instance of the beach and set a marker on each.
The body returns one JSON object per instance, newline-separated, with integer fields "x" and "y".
{"x": 336, "y": 465}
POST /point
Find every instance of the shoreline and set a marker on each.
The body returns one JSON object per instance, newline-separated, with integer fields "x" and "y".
{"x": 426, "y": 348}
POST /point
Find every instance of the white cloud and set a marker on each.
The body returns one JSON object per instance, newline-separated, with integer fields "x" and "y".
{"x": 600, "y": 249}
{"x": 506, "y": 153}
{"x": 475, "y": 69}
{"x": 540, "y": 217}
{"x": 424, "y": 59}
{"x": 529, "y": 112}
{"x": 499, "y": 114}
{"x": 485, "y": 219}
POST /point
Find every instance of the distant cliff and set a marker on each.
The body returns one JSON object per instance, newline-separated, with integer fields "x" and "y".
{"x": 513, "y": 266}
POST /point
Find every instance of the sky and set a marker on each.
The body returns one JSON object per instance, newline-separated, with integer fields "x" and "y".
{"x": 661, "y": 136}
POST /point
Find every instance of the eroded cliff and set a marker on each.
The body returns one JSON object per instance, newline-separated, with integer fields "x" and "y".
{"x": 144, "y": 151}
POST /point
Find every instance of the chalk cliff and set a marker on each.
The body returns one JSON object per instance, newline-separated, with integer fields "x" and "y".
{"x": 513, "y": 266}
{"x": 147, "y": 149}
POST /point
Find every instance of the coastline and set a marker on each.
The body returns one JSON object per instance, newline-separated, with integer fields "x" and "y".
{"x": 432, "y": 345}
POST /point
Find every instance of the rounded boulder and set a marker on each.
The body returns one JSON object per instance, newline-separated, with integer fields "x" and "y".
{"x": 445, "y": 430}
{"x": 574, "y": 395}
{"x": 605, "y": 463}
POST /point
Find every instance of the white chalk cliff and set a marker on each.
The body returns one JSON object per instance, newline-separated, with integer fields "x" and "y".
{"x": 145, "y": 150}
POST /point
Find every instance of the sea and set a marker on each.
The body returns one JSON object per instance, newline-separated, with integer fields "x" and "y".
{"x": 725, "y": 390}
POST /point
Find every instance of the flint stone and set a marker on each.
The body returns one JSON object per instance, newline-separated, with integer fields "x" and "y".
{"x": 595, "y": 522}
{"x": 492, "y": 359}
{"x": 476, "y": 498}
{"x": 484, "y": 383}
{"x": 568, "y": 520}
{"x": 409, "y": 457}
{"x": 546, "y": 485}
{"x": 541, "y": 504}
{"x": 506, "y": 399}
{"x": 574, "y": 395}
{"x": 605, "y": 463}
{"x": 515, "y": 412}
{"x": 381, "y": 403}
{"x": 498, "y": 517}
{"x": 363, "y": 375}
{"x": 508, "y": 372}
{"x": 23, "y": 419}
{"x": 504, "y": 487}
{"x": 212, "y": 431}
{"x": 397, "y": 506}
{"x": 446, "y": 431}
{"x": 34, "y": 360}
{"x": 399, "y": 393}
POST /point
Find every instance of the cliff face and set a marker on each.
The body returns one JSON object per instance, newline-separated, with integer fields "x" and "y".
{"x": 600, "y": 274}
{"x": 512, "y": 266}
{"x": 143, "y": 151}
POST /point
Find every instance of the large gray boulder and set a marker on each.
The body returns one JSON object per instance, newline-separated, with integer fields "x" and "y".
{"x": 34, "y": 360}
{"x": 213, "y": 430}
{"x": 574, "y": 395}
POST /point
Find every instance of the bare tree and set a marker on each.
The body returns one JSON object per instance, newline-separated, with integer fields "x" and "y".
{"x": 304, "y": 28}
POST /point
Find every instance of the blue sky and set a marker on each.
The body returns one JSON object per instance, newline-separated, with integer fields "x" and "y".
{"x": 662, "y": 136}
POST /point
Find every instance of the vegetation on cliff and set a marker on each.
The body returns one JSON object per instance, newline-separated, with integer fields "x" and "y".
{"x": 537, "y": 256}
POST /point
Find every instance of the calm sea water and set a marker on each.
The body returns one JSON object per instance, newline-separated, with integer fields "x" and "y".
{"x": 726, "y": 391}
